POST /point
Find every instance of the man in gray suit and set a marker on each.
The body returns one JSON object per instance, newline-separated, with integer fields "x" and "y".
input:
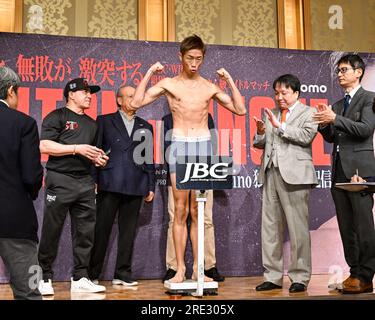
{"x": 288, "y": 174}
{"x": 350, "y": 125}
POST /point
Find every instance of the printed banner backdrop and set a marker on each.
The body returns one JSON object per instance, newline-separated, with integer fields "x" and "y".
{"x": 46, "y": 63}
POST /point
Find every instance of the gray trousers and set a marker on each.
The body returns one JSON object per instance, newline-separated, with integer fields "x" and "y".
{"x": 18, "y": 256}
{"x": 285, "y": 204}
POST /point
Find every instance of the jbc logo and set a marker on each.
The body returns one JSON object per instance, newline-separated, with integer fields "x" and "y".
{"x": 202, "y": 171}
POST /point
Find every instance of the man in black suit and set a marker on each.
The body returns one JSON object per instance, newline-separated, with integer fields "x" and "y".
{"x": 21, "y": 176}
{"x": 123, "y": 184}
{"x": 350, "y": 125}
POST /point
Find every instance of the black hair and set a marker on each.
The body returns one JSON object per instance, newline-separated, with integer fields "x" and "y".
{"x": 289, "y": 81}
{"x": 192, "y": 42}
{"x": 355, "y": 61}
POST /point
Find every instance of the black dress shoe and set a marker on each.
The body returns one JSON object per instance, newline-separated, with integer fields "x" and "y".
{"x": 265, "y": 286}
{"x": 214, "y": 274}
{"x": 169, "y": 275}
{"x": 297, "y": 287}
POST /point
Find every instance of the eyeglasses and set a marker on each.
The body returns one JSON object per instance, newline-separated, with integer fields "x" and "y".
{"x": 343, "y": 70}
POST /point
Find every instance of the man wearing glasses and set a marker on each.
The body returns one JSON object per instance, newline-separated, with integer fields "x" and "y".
{"x": 350, "y": 125}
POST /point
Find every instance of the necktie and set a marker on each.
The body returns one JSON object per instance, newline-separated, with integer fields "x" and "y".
{"x": 346, "y": 103}
{"x": 284, "y": 111}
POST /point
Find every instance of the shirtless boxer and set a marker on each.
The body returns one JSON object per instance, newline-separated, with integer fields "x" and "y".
{"x": 188, "y": 95}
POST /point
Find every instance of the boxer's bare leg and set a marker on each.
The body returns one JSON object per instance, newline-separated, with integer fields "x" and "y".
{"x": 179, "y": 229}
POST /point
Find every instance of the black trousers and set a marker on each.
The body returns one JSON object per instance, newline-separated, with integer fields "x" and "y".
{"x": 128, "y": 206}
{"x": 20, "y": 257}
{"x": 356, "y": 224}
{"x": 76, "y": 195}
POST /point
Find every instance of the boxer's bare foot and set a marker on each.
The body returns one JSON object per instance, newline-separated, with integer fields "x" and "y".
{"x": 179, "y": 277}
{"x": 206, "y": 279}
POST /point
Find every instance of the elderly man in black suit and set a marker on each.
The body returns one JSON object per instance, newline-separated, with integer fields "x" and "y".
{"x": 350, "y": 125}
{"x": 21, "y": 176}
{"x": 123, "y": 184}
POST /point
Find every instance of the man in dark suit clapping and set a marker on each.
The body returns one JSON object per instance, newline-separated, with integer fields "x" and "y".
{"x": 21, "y": 176}
{"x": 123, "y": 184}
{"x": 350, "y": 125}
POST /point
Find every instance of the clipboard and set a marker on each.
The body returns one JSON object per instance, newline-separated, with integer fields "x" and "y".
{"x": 356, "y": 186}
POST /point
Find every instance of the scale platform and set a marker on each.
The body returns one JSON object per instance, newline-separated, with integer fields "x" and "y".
{"x": 190, "y": 286}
